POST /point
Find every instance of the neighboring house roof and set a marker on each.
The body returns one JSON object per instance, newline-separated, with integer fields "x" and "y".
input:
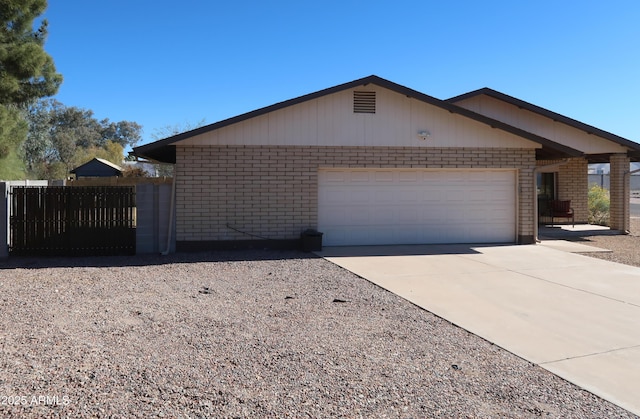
{"x": 164, "y": 150}
{"x": 634, "y": 148}
{"x": 97, "y": 167}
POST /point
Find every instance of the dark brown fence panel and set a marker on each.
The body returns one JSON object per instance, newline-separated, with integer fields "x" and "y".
{"x": 64, "y": 221}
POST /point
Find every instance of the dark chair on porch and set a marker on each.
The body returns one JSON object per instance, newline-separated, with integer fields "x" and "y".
{"x": 561, "y": 209}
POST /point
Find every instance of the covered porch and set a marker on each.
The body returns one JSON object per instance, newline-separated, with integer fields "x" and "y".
{"x": 567, "y": 147}
{"x": 567, "y": 179}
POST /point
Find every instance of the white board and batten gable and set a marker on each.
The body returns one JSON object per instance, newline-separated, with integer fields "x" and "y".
{"x": 539, "y": 124}
{"x": 330, "y": 120}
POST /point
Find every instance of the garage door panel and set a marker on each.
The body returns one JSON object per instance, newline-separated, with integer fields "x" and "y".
{"x": 383, "y": 206}
{"x": 432, "y": 215}
{"x": 339, "y": 215}
{"x": 479, "y": 215}
{"x": 382, "y": 215}
{"x": 498, "y": 215}
{"x": 355, "y": 215}
{"x": 336, "y": 176}
{"x": 456, "y": 215}
{"x": 359, "y": 235}
{"x": 337, "y": 235}
{"x": 360, "y": 216}
{"x": 359, "y": 176}
{"x": 382, "y": 196}
{"x": 432, "y": 195}
{"x": 334, "y": 196}
{"x": 408, "y": 176}
{"x": 384, "y": 176}
{"x": 477, "y": 195}
{"x": 408, "y": 195}
{"x": 360, "y": 196}
{"x": 454, "y": 196}
{"x": 411, "y": 215}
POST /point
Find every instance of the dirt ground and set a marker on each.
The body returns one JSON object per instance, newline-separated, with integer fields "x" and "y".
{"x": 248, "y": 334}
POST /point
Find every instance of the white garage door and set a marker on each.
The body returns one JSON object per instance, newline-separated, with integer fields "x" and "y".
{"x": 390, "y": 206}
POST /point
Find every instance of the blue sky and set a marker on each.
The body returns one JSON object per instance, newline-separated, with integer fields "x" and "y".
{"x": 165, "y": 63}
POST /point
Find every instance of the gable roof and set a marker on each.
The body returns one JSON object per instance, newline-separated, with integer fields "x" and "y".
{"x": 100, "y": 161}
{"x": 164, "y": 150}
{"x": 589, "y": 129}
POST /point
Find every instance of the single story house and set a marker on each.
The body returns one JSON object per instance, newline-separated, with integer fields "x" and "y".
{"x": 97, "y": 167}
{"x": 374, "y": 162}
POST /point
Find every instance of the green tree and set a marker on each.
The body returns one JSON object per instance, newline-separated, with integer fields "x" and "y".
{"x": 125, "y": 133}
{"x": 38, "y": 142}
{"x": 12, "y": 129}
{"x": 63, "y": 137}
{"x": 599, "y": 202}
{"x": 111, "y": 151}
{"x": 11, "y": 167}
{"x": 167, "y": 131}
{"x": 77, "y": 124}
{"x": 27, "y": 72}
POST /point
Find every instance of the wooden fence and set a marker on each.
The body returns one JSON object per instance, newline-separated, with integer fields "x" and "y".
{"x": 63, "y": 221}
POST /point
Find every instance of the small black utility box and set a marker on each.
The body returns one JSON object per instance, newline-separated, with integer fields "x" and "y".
{"x": 311, "y": 240}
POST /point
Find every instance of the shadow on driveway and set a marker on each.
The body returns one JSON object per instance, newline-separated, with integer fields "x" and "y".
{"x": 406, "y": 250}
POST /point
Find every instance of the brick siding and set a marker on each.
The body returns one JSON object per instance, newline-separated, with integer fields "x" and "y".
{"x": 272, "y": 191}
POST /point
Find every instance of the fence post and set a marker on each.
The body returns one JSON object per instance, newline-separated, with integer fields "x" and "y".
{"x": 4, "y": 221}
{"x": 164, "y": 217}
{"x": 146, "y": 230}
{"x": 153, "y": 203}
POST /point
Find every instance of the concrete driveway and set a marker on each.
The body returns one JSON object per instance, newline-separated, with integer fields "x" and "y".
{"x": 576, "y": 316}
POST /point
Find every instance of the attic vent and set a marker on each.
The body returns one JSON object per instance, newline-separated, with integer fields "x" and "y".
{"x": 364, "y": 102}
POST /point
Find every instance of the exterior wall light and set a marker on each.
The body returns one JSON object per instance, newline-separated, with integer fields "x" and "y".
{"x": 424, "y": 134}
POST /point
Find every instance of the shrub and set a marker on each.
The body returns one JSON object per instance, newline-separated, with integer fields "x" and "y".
{"x": 598, "y": 205}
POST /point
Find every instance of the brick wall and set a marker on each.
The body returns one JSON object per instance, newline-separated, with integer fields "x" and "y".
{"x": 272, "y": 191}
{"x": 573, "y": 184}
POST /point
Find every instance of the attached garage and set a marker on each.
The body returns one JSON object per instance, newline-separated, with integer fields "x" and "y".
{"x": 368, "y": 162}
{"x": 412, "y": 206}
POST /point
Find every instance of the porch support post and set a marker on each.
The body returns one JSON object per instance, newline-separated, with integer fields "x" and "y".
{"x": 573, "y": 184}
{"x": 619, "y": 193}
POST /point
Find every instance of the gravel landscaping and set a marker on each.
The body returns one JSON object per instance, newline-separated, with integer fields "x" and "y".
{"x": 248, "y": 334}
{"x": 623, "y": 248}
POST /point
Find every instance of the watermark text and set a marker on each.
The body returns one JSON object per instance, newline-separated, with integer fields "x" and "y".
{"x": 35, "y": 400}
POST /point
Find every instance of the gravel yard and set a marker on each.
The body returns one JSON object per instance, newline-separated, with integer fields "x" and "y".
{"x": 248, "y": 334}
{"x": 624, "y": 248}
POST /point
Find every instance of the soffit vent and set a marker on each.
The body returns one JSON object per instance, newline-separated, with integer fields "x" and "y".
{"x": 364, "y": 102}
